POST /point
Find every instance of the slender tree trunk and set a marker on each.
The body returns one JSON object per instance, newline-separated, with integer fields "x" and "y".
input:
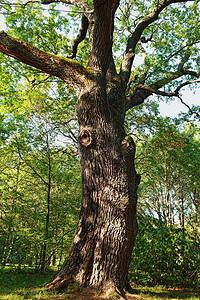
{"x": 196, "y": 197}
{"x": 158, "y": 207}
{"x": 48, "y": 187}
{"x": 107, "y": 227}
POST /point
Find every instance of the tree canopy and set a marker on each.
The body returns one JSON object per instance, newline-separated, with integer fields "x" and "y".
{"x": 165, "y": 35}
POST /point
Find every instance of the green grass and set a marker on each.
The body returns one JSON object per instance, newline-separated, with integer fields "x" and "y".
{"x": 164, "y": 293}
{"x": 27, "y": 284}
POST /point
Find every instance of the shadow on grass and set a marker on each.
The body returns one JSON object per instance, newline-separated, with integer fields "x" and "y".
{"x": 30, "y": 285}
{"x": 161, "y": 292}
{"x": 13, "y": 281}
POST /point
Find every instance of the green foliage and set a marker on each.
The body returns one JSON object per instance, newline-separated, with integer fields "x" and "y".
{"x": 47, "y": 29}
{"x": 24, "y": 206}
{"x": 37, "y": 120}
{"x": 168, "y": 159}
{"x": 167, "y": 245}
{"x": 164, "y": 255}
{"x": 31, "y": 164}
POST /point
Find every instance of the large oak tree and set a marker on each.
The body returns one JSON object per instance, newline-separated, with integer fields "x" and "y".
{"x": 107, "y": 227}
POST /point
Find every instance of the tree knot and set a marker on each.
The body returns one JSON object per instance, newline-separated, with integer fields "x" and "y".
{"x": 85, "y": 137}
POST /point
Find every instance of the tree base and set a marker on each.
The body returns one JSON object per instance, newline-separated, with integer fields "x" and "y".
{"x": 109, "y": 291}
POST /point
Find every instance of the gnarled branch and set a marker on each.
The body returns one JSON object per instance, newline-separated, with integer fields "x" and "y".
{"x": 81, "y": 36}
{"x": 137, "y": 98}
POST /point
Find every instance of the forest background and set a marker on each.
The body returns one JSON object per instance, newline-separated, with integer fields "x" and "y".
{"x": 40, "y": 181}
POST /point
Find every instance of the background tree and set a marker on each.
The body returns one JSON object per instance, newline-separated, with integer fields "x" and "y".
{"x": 168, "y": 220}
{"x": 107, "y": 90}
{"x": 168, "y": 188}
{"x": 40, "y": 183}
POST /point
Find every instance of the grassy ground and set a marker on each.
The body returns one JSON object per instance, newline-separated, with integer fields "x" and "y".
{"x": 16, "y": 285}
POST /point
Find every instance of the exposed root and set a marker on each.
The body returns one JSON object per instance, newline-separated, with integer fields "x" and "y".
{"x": 108, "y": 291}
{"x": 60, "y": 283}
{"x": 111, "y": 291}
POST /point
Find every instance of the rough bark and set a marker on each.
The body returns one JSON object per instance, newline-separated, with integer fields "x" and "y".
{"x": 107, "y": 228}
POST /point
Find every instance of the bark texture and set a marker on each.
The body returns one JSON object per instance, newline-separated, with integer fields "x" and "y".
{"x": 107, "y": 227}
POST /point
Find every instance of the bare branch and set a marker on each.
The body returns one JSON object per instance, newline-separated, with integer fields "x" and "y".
{"x": 34, "y": 83}
{"x": 68, "y": 150}
{"x": 133, "y": 99}
{"x": 136, "y": 35}
{"x": 190, "y": 110}
{"x": 161, "y": 93}
{"x": 28, "y": 164}
{"x": 67, "y": 69}
{"x": 186, "y": 83}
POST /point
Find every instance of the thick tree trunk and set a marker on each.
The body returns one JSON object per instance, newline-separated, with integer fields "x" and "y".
{"x": 107, "y": 227}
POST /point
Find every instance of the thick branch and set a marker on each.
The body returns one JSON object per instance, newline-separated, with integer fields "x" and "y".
{"x": 102, "y": 34}
{"x": 136, "y": 35}
{"x": 137, "y": 97}
{"x": 67, "y": 69}
{"x": 138, "y": 94}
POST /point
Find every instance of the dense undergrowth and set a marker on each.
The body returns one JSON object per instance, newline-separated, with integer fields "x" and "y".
{"x": 165, "y": 255}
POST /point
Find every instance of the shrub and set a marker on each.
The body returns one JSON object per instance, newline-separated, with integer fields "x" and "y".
{"x": 164, "y": 255}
